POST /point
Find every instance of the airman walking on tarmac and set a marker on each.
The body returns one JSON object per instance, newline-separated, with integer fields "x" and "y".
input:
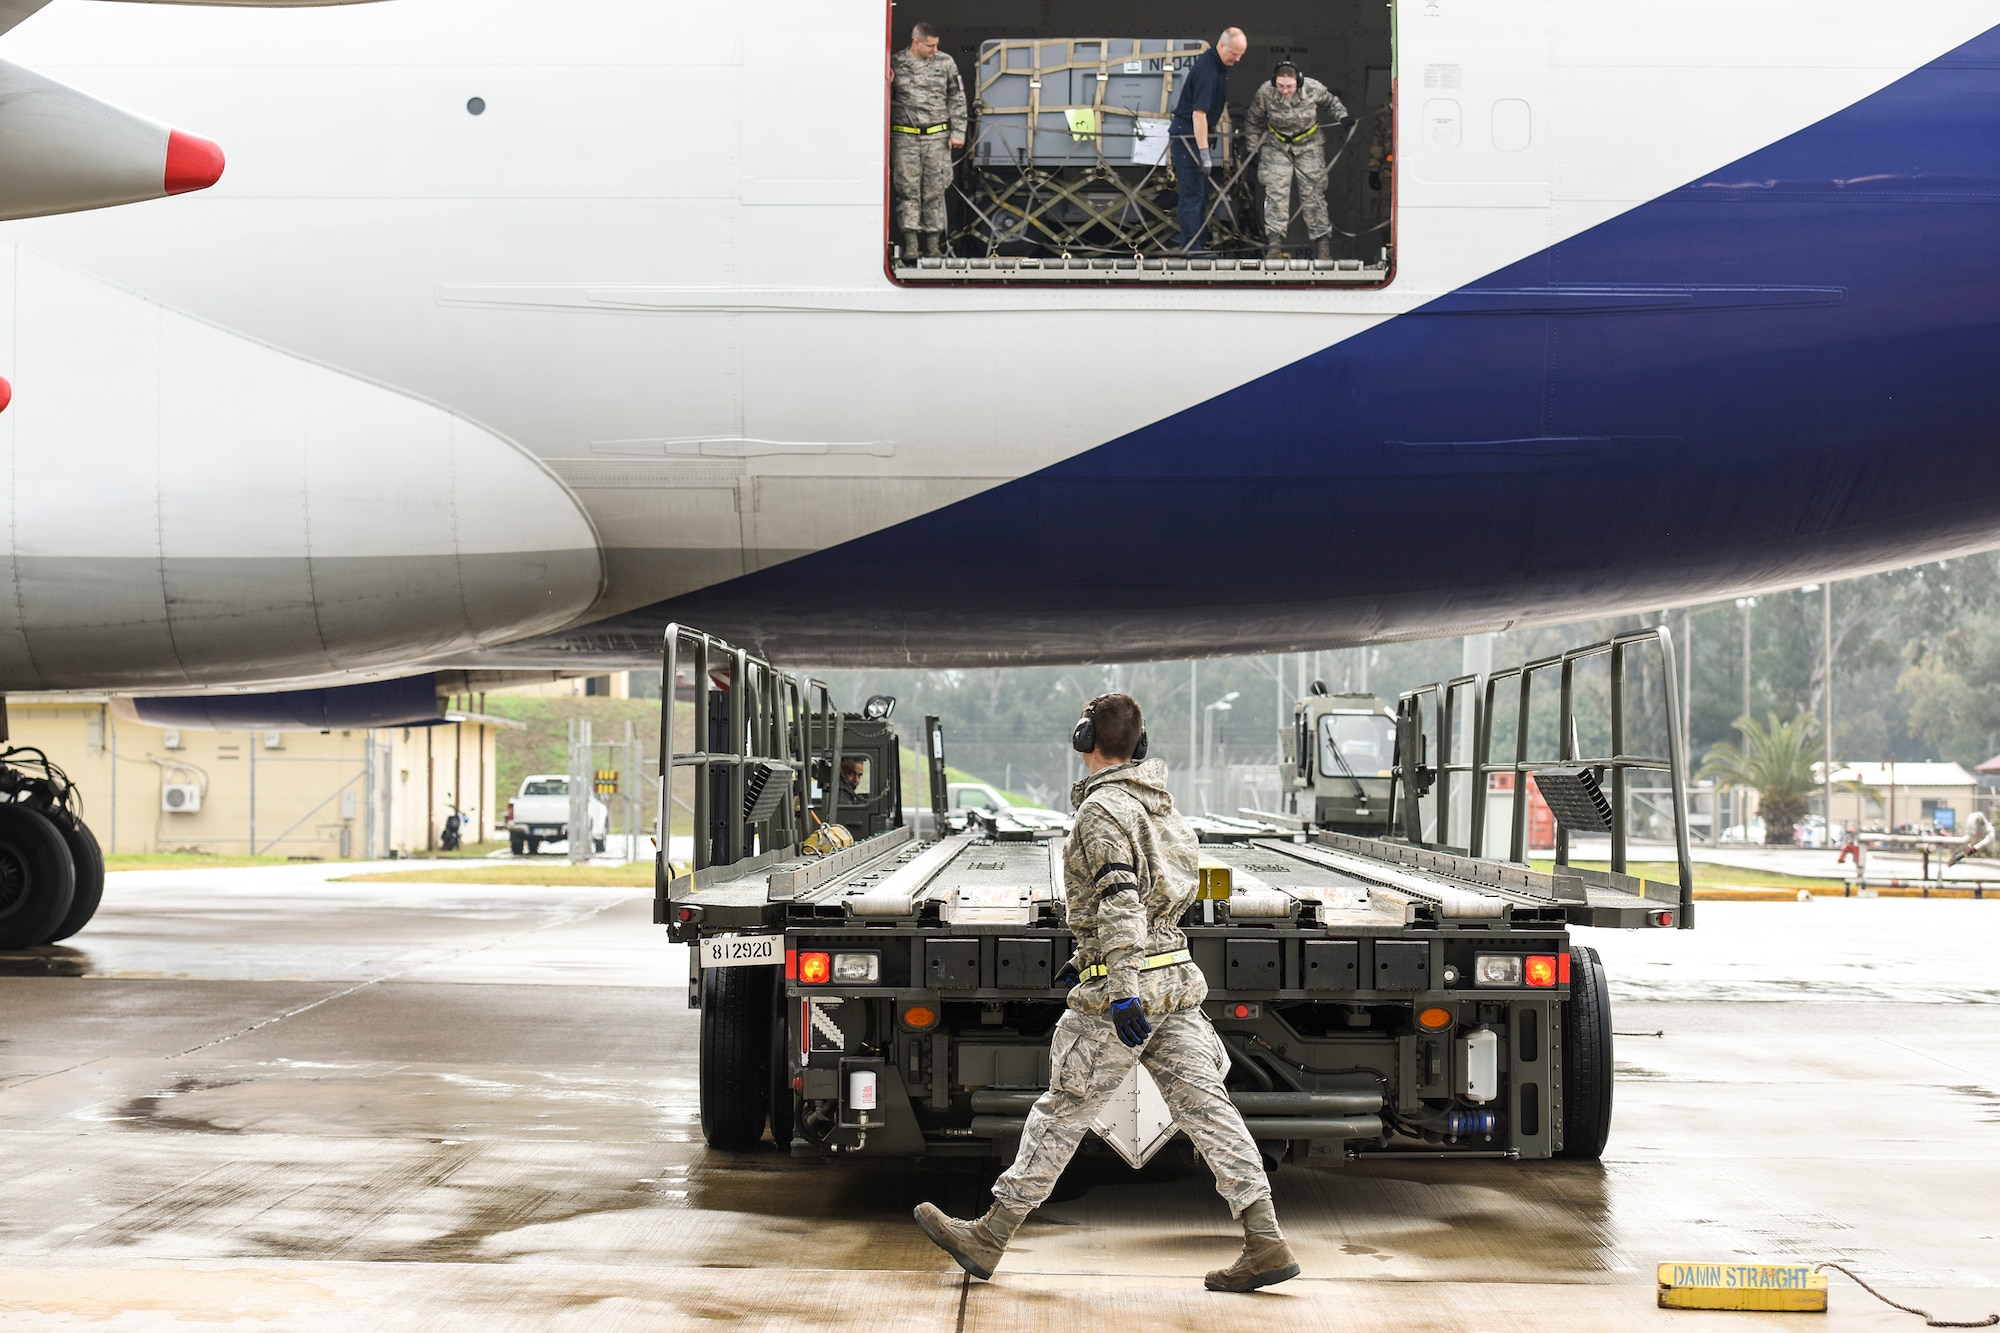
{"x": 926, "y": 125}
{"x": 1284, "y": 127}
{"x": 1129, "y": 873}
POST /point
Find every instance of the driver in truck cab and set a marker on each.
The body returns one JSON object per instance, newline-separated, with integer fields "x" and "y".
{"x": 1129, "y": 873}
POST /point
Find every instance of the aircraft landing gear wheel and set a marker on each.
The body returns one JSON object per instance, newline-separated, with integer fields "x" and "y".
{"x": 735, "y": 1055}
{"x": 88, "y": 859}
{"x": 516, "y": 843}
{"x": 1586, "y": 1058}
{"x": 37, "y": 877}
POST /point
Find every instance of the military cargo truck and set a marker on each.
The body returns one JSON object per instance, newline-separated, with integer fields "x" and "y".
{"x": 1376, "y": 995}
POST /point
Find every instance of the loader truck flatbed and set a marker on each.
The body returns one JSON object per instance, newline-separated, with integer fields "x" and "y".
{"x": 1375, "y": 995}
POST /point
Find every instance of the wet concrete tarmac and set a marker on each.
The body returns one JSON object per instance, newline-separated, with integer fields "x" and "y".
{"x": 255, "y": 1098}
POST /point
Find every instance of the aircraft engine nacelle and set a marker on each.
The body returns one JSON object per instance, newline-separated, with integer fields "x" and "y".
{"x": 63, "y": 151}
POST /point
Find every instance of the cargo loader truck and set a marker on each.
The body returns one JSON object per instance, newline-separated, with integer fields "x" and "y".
{"x": 1414, "y": 992}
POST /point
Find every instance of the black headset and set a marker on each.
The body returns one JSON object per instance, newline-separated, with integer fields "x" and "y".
{"x": 1298, "y": 75}
{"x": 1084, "y": 739}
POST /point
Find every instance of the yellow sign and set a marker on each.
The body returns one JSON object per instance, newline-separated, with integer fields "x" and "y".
{"x": 1082, "y": 123}
{"x": 1791, "y": 1288}
{"x": 607, "y": 782}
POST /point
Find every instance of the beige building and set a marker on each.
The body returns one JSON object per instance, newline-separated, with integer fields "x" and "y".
{"x": 1906, "y": 793}
{"x": 304, "y": 794}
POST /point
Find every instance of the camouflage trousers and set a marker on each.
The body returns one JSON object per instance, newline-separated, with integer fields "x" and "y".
{"x": 1277, "y": 164}
{"x": 1086, "y": 1064}
{"x": 919, "y": 175}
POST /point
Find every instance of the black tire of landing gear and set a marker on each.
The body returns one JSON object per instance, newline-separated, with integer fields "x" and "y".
{"x": 37, "y": 877}
{"x": 735, "y": 1056}
{"x": 88, "y": 858}
{"x": 1587, "y": 1061}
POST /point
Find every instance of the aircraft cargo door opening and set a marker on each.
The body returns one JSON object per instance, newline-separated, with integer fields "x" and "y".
{"x": 1053, "y": 141}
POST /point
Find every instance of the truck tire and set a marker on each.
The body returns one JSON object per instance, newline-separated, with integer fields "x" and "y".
{"x": 517, "y": 844}
{"x": 735, "y": 1056}
{"x": 88, "y": 859}
{"x": 597, "y": 844}
{"x": 534, "y": 846}
{"x": 784, "y": 1101}
{"x": 1587, "y": 1059}
{"x": 37, "y": 877}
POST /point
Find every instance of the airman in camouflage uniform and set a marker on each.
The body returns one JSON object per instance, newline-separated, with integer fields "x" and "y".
{"x": 1129, "y": 872}
{"x": 926, "y": 124}
{"x": 1382, "y": 162}
{"x": 1284, "y": 127}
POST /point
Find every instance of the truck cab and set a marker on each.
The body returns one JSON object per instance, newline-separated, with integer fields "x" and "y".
{"x": 1340, "y": 752}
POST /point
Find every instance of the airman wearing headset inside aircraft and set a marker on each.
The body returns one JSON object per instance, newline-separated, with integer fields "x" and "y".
{"x": 1284, "y": 128}
{"x": 1129, "y": 873}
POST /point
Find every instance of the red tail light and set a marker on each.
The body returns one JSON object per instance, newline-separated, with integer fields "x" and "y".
{"x": 1540, "y": 971}
{"x": 815, "y": 969}
{"x": 1562, "y": 969}
{"x": 510, "y": 812}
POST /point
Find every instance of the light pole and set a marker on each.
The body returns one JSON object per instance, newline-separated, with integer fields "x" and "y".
{"x": 1826, "y": 696}
{"x": 1745, "y": 604}
{"x": 1222, "y": 705}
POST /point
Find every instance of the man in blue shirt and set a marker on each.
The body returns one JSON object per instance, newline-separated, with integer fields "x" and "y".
{"x": 1202, "y": 99}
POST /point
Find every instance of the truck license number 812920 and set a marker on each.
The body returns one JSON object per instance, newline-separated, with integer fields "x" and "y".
{"x": 742, "y": 951}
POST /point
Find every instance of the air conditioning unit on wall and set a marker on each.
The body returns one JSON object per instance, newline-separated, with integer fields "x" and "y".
{"x": 180, "y": 798}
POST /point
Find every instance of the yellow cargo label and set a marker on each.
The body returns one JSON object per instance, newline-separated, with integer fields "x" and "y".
{"x": 1792, "y": 1288}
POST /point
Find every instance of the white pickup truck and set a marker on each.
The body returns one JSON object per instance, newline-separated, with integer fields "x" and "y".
{"x": 539, "y": 813}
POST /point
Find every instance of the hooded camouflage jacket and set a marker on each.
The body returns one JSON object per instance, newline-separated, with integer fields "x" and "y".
{"x": 1129, "y": 872}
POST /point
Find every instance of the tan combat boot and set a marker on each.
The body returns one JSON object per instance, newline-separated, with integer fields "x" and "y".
{"x": 910, "y": 247}
{"x": 1273, "y": 250}
{"x": 1323, "y": 248}
{"x": 1266, "y": 1259}
{"x": 933, "y": 245}
{"x": 978, "y": 1244}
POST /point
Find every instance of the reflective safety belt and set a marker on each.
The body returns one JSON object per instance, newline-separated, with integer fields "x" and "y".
{"x": 1300, "y": 137}
{"x": 921, "y": 129}
{"x": 1152, "y": 962}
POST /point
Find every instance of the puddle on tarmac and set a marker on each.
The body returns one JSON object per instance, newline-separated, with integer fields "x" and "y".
{"x": 51, "y": 960}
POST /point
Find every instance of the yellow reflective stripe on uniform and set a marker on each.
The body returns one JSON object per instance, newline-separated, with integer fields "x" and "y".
{"x": 1157, "y": 960}
{"x": 921, "y": 129}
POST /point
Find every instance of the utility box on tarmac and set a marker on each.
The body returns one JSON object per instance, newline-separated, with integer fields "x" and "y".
{"x": 896, "y": 999}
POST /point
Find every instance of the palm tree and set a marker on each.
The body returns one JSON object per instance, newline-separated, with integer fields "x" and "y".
{"x": 1776, "y": 760}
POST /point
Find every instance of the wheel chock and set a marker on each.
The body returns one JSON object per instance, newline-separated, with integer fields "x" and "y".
{"x": 1791, "y": 1288}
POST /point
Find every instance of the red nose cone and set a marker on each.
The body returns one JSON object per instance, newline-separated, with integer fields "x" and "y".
{"x": 6, "y": 394}
{"x": 193, "y": 163}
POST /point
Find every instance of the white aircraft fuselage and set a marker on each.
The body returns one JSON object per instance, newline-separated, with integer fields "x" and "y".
{"x": 415, "y": 387}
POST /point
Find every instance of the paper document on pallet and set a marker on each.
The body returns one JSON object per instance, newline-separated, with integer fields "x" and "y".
{"x": 1149, "y": 141}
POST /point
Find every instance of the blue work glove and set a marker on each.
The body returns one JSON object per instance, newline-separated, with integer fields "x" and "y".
{"x": 1068, "y": 978}
{"x": 1207, "y": 161}
{"x": 1129, "y": 1017}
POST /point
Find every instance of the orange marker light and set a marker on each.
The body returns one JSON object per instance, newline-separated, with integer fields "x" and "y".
{"x": 815, "y": 969}
{"x": 919, "y": 1016}
{"x": 1541, "y": 970}
{"x": 1434, "y": 1020}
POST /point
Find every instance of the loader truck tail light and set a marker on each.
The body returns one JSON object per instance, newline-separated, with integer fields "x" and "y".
{"x": 919, "y": 1016}
{"x": 1541, "y": 970}
{"x": 815, "y": 969}
{"x": 1434, "y": 1020}
{"x": 1496, "y": 969}
{"x": 1562, "y": 969}
{"x": 1663, "y": 919}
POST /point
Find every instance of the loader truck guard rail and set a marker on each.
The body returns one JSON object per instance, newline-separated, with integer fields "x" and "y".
{"x": 1410, "y": 995}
